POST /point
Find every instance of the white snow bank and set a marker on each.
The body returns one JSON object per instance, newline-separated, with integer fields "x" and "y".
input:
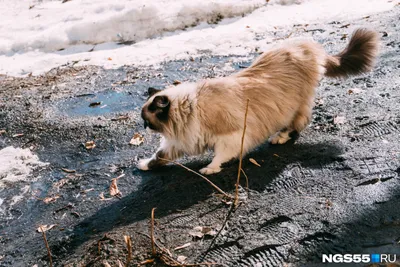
{"x": 16, "y": 164}
{"x": 51, "y": 26}
{"x": 28, "y": 42}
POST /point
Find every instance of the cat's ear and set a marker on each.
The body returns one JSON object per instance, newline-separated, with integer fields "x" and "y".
{"x": 151, "y": 91}
{"x": 161, "y": 101}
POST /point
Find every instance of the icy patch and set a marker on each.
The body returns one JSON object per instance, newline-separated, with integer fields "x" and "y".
{"x": 89, "y": 30}
{"x": 16, "y": 164}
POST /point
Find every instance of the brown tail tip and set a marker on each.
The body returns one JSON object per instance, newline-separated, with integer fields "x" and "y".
{"x": 358, "y": 57}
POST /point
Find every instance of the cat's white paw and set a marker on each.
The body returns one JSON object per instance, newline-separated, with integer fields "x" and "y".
{"x": 208, "y": 170}
{"x": 143, "y": 164}
{"x": 279, "y": 139}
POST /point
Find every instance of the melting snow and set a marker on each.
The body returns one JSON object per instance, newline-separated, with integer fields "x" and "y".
{"x": 52, "y": 33}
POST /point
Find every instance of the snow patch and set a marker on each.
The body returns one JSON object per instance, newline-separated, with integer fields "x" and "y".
{"x": 16, "y": 164}
{"x": 89, "y": 30}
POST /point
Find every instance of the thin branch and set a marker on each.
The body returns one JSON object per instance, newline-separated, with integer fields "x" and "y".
{"x": 241, "y": 155}
{"x": 153, "y": 248}
{"x": 198, "y": 174}
{"x": 47, "y": 246}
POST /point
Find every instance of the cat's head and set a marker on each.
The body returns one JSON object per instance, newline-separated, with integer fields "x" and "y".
{"x": 155, "y": 112}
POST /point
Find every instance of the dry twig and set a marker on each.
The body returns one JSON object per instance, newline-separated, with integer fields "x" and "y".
{"x": 128, "y": 242}
{"x": 198, "y": 174}
{"x": 47, "y": 246}
{"x": 241, "y": 155}
{"x": 164, "y": 255}
{"x": 153, "y": 248}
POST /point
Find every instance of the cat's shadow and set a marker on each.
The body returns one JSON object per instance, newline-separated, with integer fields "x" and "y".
{"x": 173, "y": 188}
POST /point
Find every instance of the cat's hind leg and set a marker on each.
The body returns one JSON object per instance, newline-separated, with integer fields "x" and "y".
{"x": 300, "y": 121}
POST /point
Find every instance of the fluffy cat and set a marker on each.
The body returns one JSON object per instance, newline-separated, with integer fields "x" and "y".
{"x": 280, "y": 84}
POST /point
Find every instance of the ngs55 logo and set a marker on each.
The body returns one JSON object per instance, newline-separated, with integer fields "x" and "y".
{"x": 359, "y": 258}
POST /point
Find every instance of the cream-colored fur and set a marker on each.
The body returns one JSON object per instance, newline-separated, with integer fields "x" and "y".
{"x": 209, "y": 114}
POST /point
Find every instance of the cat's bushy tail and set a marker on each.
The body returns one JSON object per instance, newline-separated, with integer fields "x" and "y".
{"x": 358, "y": 57}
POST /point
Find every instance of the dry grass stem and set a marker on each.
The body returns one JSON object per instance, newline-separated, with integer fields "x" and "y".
{"x": 47, "y": 246}
{"x": 164, "y": 255}
{"x": 128, "y": 242}
{"x": 241, "y": 155}
{"x": 153, "y": 248}
{"x": 247, "y": 182}
{"x": 198, "y": 174}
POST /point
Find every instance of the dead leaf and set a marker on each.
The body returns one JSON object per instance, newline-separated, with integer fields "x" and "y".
{"x": 339, "y": 120}
{"x": 48, "y": 200}
{"x": 90, "y": 145}
{"x": 181, "y": 259}
{"x": 183, "y": 246}
{"x": 355, "y": 91}
{"x": 68, "y": 170}
{"x": 200, "y": 231}
{"x": 18, "y": 135}
{"x": 137, "y": 139}
{"x": 104, "y": 198}
{"x": 60, "y": 183}
{"x": 276, "y": 155}
{"x": 94, "y": 104}
{"x": 247, "y": 26}
{"x": 109, "y": 58}
{"x": 114, "y": 188}
{"x": 120, "y": 118}
{"x": 176, "y": 82}
{"x": 87, "y": 190}
{"x": 254, "y": 162}
{"x": 45, "y": 227}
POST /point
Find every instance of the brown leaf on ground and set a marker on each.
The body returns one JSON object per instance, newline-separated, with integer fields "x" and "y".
{"x": 200, "y": 231}
{"x": 114, "y": 187}
{"x": 90, "y": 145}
{"x": 103, "y": 198}
{"x": 176, "y": 82}
{"x": 120, "y": 118}
{"x": 48, "y": 200}
{"x": 254, "y": 162}
{"x": 137, "y": 139}
{"x": 68, "y": 170}
{"x": 45, "y": 227}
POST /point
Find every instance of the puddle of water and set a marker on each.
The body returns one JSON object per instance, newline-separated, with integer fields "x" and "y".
{"x": 105, "y": 102}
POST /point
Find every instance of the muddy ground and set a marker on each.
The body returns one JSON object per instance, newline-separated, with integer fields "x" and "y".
{"x": 335, "y": 190}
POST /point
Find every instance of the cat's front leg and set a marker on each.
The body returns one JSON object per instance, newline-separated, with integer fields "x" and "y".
{"x": 164, "y": 152}
{"x": 224, "y": 152}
